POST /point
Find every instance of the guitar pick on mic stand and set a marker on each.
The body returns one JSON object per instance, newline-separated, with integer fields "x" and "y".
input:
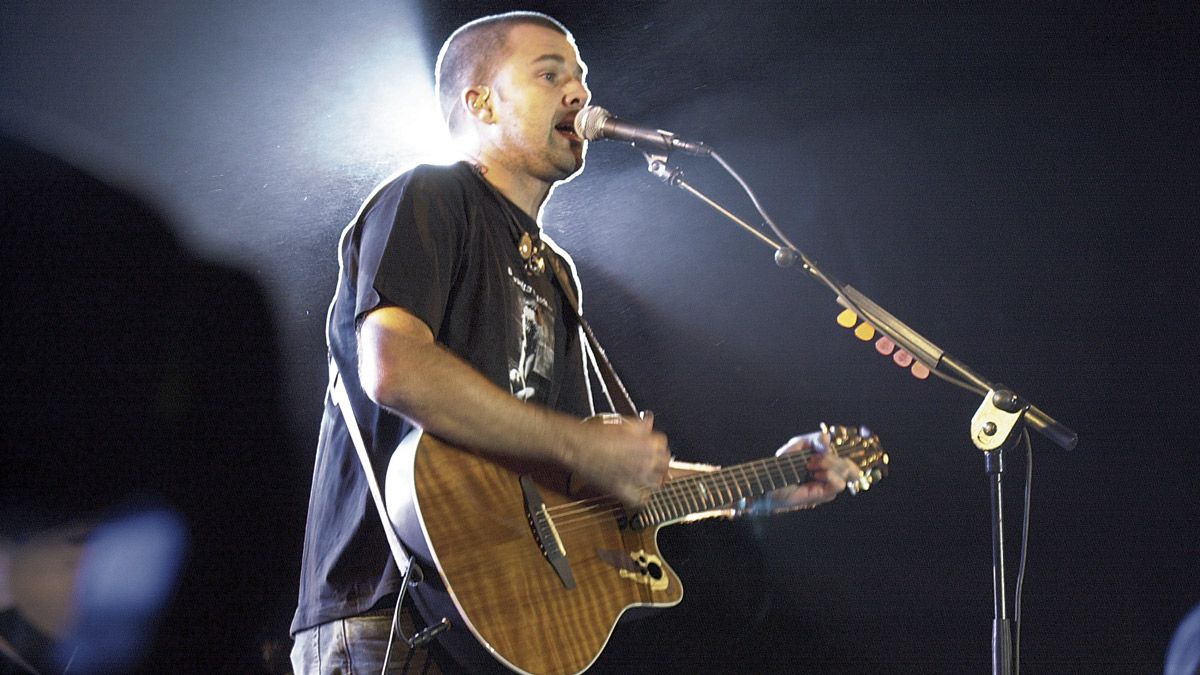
{"x": 996, "y": 426}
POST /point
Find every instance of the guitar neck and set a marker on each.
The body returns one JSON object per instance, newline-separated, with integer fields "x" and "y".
{"x": 722, "y": 488}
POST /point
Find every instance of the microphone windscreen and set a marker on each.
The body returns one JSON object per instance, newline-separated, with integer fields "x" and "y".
{"x": 589, "y": 122}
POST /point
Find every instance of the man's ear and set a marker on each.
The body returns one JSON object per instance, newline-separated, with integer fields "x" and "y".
{"x": 478, "y": 103}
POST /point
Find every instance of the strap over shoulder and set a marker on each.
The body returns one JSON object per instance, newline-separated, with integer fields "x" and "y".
{"x": 614, "y": 389}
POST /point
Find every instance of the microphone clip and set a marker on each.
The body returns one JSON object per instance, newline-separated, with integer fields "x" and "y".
{"x": 656, "y": 164}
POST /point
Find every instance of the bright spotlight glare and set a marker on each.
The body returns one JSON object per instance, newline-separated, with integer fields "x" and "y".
{"x": 380, "y": 112}
{"x": 404, "y": 111}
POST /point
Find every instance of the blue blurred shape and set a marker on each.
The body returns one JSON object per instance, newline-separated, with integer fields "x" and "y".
{"x": 1183, "y": 656}
{"x": 129, "y": 569}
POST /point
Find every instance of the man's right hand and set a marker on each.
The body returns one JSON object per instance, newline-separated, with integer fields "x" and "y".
{"x": 403, "y": 369}
{"x": 623, "y": 457}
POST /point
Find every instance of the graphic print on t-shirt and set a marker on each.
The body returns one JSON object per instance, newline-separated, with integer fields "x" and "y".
{"x": 531, "y": 359}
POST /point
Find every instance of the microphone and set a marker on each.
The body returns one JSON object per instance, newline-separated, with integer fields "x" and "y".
{"x": 594, "y": 123}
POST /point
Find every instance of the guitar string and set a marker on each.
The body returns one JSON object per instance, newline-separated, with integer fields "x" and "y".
{"x": 680, "y": 497}
{"x": 726, "y": 484}
{"x": 660, "y": 508}
{"x": 680, "y": 488}
{"x": 684, "y": 487}
{"x": 760, "y": 467}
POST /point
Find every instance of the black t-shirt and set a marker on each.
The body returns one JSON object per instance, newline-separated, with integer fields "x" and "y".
{"x": 442, "y": 244}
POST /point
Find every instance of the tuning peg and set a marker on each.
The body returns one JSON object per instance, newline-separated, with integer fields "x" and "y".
{"x": 857, "y": 485}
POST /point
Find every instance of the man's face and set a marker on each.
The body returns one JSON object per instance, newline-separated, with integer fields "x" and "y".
{"x": 537, "y": 89}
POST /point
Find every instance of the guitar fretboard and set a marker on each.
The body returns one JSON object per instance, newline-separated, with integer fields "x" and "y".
{"x": 722, "y": 488}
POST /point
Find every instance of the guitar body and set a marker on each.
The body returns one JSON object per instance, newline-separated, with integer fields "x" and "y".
{"x": 540, "y": 577}
{"x": 474, "y": 526}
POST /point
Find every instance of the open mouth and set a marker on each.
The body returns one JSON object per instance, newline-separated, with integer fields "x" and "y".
{"x": 567, "y": 128}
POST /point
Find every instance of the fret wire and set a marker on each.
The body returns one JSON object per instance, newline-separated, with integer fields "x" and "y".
{"x": 702, "y": 491}
{"x": 729, "y": 478}
{"x": 692, "y": 499}
{"x": 783, "y": 467}
{"x": 757, "y": 478}
{"x": 682, "y": 498}
{"x": 709, "y": 486}
{"x": 698, "y": 493}
{"x": 738, "y": 474}
{"x": 727, "y": 495}
{"x": 744, "y": 481}
{"x": 796, "y": 469}
{"x": 731, "y": 484}
{"x": 760, "y": 477}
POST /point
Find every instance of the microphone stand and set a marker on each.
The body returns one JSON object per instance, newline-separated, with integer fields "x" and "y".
{"x": 999, "y": 421}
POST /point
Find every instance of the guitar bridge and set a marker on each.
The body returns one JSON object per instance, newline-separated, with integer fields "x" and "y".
{"x": 545, "y": 533}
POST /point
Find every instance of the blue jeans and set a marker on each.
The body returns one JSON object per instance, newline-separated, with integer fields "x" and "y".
{"x": 356, "y": 646}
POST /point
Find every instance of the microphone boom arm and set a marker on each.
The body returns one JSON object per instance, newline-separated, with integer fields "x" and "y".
{"x": 939, "y": 362}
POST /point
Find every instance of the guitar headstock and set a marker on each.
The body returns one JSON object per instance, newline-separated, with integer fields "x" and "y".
{"x": 863, "y": 448}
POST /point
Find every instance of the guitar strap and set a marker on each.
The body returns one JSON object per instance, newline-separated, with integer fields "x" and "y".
{"x": 337, "y": 390}
{"x": 618, "y": 397}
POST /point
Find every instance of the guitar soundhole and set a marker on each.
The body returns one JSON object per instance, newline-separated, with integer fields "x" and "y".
{"x": 654, "y": 570}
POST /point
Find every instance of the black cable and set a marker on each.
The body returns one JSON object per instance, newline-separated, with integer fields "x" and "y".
{"x": 404, "y": 584}
{"x": 1024, "y": 551}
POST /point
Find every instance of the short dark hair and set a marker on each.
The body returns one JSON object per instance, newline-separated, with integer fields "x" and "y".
{"x": 469, "y": 56}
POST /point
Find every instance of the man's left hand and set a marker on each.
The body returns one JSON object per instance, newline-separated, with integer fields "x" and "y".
{"x": 828, "y": 476}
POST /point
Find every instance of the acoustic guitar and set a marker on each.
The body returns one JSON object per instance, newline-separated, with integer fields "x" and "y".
{"x": 540, "y": 577}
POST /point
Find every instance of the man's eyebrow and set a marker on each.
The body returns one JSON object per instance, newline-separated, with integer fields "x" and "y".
{"x": 553, "y": 57}
{"x": 557, "y": 58}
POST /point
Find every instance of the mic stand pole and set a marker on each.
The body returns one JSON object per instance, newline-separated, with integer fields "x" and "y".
{"x": 1001, "y": 414}
{"x": 995, "y": 428}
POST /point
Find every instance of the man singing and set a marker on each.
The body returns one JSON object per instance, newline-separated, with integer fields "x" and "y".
{"x": 448, "y": 316}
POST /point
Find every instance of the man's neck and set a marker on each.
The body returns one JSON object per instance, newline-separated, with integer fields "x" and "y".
{"x": 525, "y": 191}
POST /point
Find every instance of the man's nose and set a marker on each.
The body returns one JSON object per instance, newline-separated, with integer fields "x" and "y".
{"x": 576, "y": 95}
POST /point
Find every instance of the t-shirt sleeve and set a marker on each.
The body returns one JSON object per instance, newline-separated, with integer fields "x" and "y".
{"x": 410, "y": 247}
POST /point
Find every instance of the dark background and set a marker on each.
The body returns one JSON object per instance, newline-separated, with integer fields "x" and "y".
{"x": 1018, "y": 183}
